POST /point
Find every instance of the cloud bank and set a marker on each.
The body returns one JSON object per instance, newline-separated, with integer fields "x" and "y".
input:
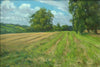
{"x": 20, "y": 15}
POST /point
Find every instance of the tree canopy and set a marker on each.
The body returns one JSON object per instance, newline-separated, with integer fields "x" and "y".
{"x": 85, "y": 15}
{"x": 42, "y": 20}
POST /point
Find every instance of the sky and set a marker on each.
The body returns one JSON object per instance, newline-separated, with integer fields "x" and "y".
{"x": 18, "y": 12}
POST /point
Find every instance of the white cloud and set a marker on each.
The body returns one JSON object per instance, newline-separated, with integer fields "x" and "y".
{"x": 53, "y": 12}
{"x": 37, "y": 8}
{"x": 24, "y": 6}
{"x": 16, "y": 15}
{"x": 59, "y": 17}
{"x": 7, "y": 5}
{"x": 62, "y": 5}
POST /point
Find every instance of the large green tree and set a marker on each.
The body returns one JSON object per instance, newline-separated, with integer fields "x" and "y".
{"x": 85, "y": 15}
{"x": 77, "y": 11}
{"x": 42, "y": 20}
{"x": 92, "y": 15}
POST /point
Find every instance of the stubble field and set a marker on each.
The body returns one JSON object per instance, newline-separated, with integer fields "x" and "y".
{"x": 49, "y": 49}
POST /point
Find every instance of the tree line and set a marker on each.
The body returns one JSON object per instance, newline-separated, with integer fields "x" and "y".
{"x": 86, "y": 15}
{"x": 16, "y": 28}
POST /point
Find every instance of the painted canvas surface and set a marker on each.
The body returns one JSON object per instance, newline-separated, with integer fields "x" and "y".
{"x": 49, "y": 33}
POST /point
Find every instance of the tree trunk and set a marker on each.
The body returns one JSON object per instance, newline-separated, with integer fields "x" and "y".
{"x": 95, "y": 31}
{"x": 88, "y": 30}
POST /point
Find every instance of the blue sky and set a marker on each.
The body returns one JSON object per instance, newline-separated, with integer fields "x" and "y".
{"x": 18, "y": 12}
{"x": 37, "y": 3}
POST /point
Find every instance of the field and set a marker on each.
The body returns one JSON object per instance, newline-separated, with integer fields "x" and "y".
{"x": 50, "y": 49}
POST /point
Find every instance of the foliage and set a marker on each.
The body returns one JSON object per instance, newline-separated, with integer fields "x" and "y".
{"x": 58, "y": 27}
{"x": 42, "y": 20}
{"x": 86, "y": 15}
{"x": 13, "y": 28}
